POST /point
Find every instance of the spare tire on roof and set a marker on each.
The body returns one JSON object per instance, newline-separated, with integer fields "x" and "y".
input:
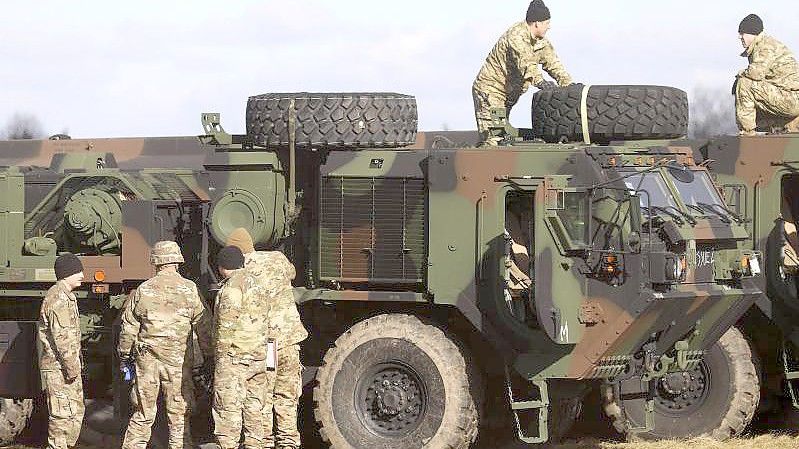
{"x": 614, "y": 112}
{"x": 359, "y": 119}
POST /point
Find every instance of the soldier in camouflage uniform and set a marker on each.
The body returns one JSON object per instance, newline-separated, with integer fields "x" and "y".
{"x": 241, "y": 325}
{"x": 770, "y": 84}
{"x": 59, "y": 354}
{"x": 158, "y": 323}
{"x": 512, "y": 67}
{"x": 275, "y": 273}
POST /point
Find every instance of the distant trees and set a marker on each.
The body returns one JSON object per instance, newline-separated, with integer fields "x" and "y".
{"x": 23, "y": 126}
{"x": 712, "y": 113}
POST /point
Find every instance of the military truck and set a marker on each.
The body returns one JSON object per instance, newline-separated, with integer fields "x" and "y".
{"x": 427, "y": 320}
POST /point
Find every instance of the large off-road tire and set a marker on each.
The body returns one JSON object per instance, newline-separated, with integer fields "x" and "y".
{"x": 397, "y": 382}
{"x": 14, "y": 416}
{"x": 725, "y": 395}
{"x": 614, "y": 113}
{"x": 334, "y": 119}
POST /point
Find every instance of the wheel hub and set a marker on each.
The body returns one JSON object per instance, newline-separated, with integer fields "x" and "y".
{"x": 684, "y": 391}
{"x": 392, "y": 399}
{"x": 676, "y": 383}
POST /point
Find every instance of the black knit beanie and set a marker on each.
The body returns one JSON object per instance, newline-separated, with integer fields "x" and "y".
{"x": 66, "y": 265}
{"x": 537, "y": 12}
{"x": 752, "y": 24}
{"x": 230, "y": 258}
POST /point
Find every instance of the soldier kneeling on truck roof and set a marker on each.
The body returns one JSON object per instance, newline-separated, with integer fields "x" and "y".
{"x": 770, "y": 84}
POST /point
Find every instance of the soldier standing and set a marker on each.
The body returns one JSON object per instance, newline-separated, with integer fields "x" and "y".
{"x": 59, "y": 354}
{"x": 241, "y": 324}
{"x": 275, "y": 273}
{"x": 157, "y": 325}
{"x": 512, "y": 67}
{"x": 770, "y": 83}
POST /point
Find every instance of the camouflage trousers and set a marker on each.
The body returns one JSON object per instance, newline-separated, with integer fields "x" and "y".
{"x": 239, "y": 402}
{"x": 65, "y": 409}
{"x": 154, "y": 377}
{"x": 285, "y": 387}
{"x": 753, "y": 96}
{"x": 484, "y": 101}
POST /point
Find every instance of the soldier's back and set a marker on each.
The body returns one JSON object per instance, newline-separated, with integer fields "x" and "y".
{"x": 166, "y": 305}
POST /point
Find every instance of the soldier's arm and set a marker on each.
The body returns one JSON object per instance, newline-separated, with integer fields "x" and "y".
{"x": 759, "y": 63}
{"x": 66, "y": 343}
{"x": 554, "y": 67}
{"x": 130, "y": 325}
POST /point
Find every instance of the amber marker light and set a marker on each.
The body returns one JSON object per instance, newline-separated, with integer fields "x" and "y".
{"x": 99, "y": 276}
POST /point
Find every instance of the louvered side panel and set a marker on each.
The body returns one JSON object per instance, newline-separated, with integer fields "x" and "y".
{"x": 372, "y": 230}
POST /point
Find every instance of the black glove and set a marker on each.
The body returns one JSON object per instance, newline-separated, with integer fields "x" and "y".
{"x": 546, "y": 85}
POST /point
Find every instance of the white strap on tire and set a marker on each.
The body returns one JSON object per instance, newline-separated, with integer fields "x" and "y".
{"x": 584, "y": 114}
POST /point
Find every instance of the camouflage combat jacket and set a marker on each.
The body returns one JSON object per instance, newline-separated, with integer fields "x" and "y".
{"x": 275, "y": 273}
{"x": 59, "y": 332}
{"x": 160, "y": 316}
{"x": 512, "y": 66}
{"x": 241, "y": 317}
{"x": 772, "y": 61}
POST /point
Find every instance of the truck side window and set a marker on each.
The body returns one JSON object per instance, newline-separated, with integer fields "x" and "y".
{"x": 573, "y": 216}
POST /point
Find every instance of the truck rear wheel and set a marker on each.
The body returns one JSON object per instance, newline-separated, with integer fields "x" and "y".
{"x": 718, "y": 399}
{"x": 397, "y": 382}
{"x": 14, "y": 416}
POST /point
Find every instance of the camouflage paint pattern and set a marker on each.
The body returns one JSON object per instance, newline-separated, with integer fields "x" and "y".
{"x": 759, "y": 176}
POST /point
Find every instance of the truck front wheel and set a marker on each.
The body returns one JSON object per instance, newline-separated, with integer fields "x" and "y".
{"x": 718, "y": 399}
{"x": 14, "y": 416}
{"x": 397, "y": 382}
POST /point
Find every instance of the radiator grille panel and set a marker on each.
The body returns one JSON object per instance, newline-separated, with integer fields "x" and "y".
{"x": 372, "y": 230}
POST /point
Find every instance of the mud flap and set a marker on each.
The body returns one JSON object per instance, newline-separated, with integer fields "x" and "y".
{"x": 637, "y": 400}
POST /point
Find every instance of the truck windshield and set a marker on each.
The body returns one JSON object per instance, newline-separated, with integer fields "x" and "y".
{"x": 700, "y": 195}
{"x": 660, "y": 199}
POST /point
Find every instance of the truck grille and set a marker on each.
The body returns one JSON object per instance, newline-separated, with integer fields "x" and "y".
{"x": 372, "y": 230}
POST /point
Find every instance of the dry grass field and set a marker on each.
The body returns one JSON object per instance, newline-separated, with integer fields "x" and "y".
{"x": 760, "y": 442}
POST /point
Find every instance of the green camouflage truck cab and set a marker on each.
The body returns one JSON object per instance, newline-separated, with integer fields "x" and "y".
{"x": 450, "y": 292}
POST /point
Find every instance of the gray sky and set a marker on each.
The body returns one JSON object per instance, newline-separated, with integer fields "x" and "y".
{"x": 149, "y": 68}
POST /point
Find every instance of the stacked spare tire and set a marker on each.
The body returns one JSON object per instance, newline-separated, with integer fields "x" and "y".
{"x": 609, "y": 113}
{"x": 348, "y": 120}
